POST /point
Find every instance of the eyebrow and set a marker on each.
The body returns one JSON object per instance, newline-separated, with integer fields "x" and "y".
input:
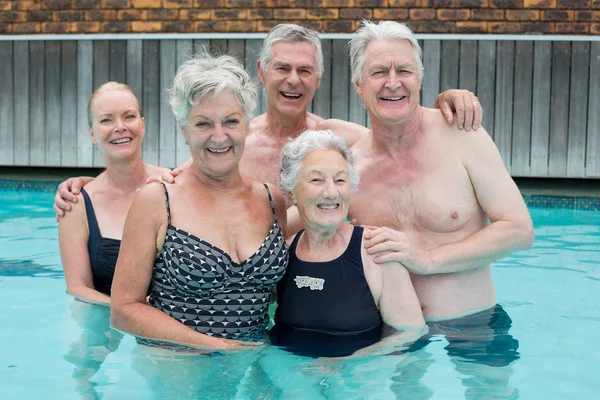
{"x": 199, "y": 116}
{"x": 286, "y": 64}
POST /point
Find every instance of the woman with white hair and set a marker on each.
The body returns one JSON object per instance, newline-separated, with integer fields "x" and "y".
{"x": 334, "y": 299}
{"x": 211, "y": 245}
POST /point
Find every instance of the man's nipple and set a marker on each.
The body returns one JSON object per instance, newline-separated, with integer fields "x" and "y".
{"x": 454, "y": 215}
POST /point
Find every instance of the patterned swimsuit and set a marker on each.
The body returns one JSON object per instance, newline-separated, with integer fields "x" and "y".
{"x": 199, "y": 284}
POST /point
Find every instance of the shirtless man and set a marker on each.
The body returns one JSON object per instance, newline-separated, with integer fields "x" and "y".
{"x": 447, "y": 205}
{"x": 290, "y": 68}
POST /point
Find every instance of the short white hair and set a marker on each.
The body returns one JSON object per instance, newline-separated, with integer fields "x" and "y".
{"x": 295, "y": 34}
{"x": 204, "y": 75}
{"x": 295, "y": 150}
{"x": 370, "y": 31}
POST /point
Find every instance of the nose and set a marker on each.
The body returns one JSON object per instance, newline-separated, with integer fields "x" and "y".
{"x": 219, "y": 135}
{"x": 119, "y": 124}
{"x": 392, "y": 82}
{"x": 330, "y": 190}
{"x": 292, "y": 77}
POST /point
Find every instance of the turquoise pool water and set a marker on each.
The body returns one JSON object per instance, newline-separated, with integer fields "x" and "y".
{"x": 55, "y": 347}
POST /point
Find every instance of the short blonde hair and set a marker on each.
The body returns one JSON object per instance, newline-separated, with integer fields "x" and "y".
{"x": 106, "y": 87}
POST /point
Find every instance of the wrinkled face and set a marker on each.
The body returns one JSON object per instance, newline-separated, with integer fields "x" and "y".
{"x": 290, "y": 79}
{"x": 216, "y": 133}
{"x": 322, "y": 193}
{"x": 117, "y": 126}
{"x": 391, "y": 85}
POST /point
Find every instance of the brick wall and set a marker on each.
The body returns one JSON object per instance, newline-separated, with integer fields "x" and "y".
{"x": 336, "y": 16}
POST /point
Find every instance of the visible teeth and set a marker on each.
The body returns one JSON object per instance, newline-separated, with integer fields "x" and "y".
{"x": 219, "y": 151}
{"x": 328, "y": 206}
{"x": 118, "y": 141}
{"x": 292, "y": 95}
{"x": 393, "y": 98}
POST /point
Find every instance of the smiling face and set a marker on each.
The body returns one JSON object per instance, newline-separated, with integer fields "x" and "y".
{"x": 391, "y": 84}
{"x": 216, "y": 132}
{"x": 322, "y": 192}
{"x": 290, "y": 79}
{"x": 117, "y": 126}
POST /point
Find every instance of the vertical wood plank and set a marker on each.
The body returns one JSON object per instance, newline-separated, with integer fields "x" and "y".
{"x": 118, "y": 60}
{"x": 578, "y": 106}
{"x": 559, "y": 109}
{"x": 504, "y": 99}
{"x": 201, "y": 45}
{"x": 467, "y": 73}
{"x": 540, "y": 121}
{"x": 236, "y": 48}
{"x": 185, "y": 50}
{"x": 85, "y": 88}
{"x": 341, "y": 87}
{"x": 37, "y": 151}
{"x": 593, "y": 119}
{"x": 167, "y": 130}
{"x": 449, "y": 64}
{"x": 134, "y": 68}
{"x": 432, "y": 65}
{"x": 21, "y": 103}
{"x": 322, "y": 100}
{"x": 52, "y": 104}
{"x": 6, "y": 104}
{"x": 486, "y": 82}
{"x": 218, "y": 46}
{"x": 521, "y": 129}
{"x": 253, "y": 47}
{"x": 101, "y": 76}
{"x": 68, "y": 101}
{"x": 151, "y": 81}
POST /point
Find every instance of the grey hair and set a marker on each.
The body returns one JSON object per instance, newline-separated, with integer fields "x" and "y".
{"x": 205, "y": 74}
{"x": 291, "y": 33}
{"x": 370, "y": 31}
{"x": 295, "y": 150}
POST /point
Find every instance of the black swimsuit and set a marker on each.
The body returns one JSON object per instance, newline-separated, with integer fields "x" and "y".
{"x": 326, "y": 308}
{"x": 199, "y": 284}
{"x": 103, "y": 251}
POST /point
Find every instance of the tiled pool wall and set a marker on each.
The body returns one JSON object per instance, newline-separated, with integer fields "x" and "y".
{"x": 538, "y": 201}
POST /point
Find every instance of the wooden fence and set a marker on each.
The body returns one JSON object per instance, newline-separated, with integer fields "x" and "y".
{"x": 541, "y": 98}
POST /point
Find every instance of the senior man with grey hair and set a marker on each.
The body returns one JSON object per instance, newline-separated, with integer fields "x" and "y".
{"x": 290, "y": 68}
{"x": 447, "y": 205}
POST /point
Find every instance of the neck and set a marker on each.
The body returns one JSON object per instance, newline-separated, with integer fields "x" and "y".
{"x": 127, "y": 175}
{"x": 319, "y": 239}
{"x": 401, "y": 136}
{"x": 225, "y": 184}
{"x": 285, "y": 127}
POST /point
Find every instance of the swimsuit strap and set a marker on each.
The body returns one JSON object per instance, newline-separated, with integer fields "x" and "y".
{"x": 271, "y": 201}
{"x": 168, "y": 205}
{"x": 91, "y": 215}
{"x": 295, "y": 242}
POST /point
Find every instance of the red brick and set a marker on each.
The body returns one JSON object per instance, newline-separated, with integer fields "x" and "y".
{"x": 595, "y": 4}
{"x": 228, "y": 14}
{"x": 86, "y": 4}
{"x": 557, "y": 15}
{"x": 453, "y": 14}
{"x": 240, "y": 3}
{"x": 260, "y": 13}
{"x": 210, "y": 26}
{"x": 177, "y": 3}
{"x": 420, "y": 14}
{"x": 294, "y": 3}
{"x": 194, "y": 14}
{"x": 595, "y": 29}
{"x": 440, "y": 3}
{"x": 178, "y": 26}
{"x": 6, "y": 5}
{"x": 163, "y": 14}
{"x": 69, "y": 16}
{"x": 13, "y": 16}
{"x": 146, "y": 3}
{"x": 392, "y": 14}
{"x": 57, "y": 4}
{"x": 488, "y": 14}
{"x": 471, "y": 27}
{"x": 101, "y": 15}
{"x": 407, "y": 3}
{"x": 504, "y": 27}
{"x": 265, "y": 25}
{"x": 209, "y": 3}
{"x": 146, "y": 26}
{"x": 571, "y": 27}
{"x": 55, "y": 27}
{"x": 370, "y": 3}
{"x": 322, "y": 13}
{"x": 573, "y": 3}
{"x": 115, "y": 26}
{"x": 39, "y": 15}
{"x": 587, "y": 16}
{"x": 132, "y": 15}
{"x": 115, "y": 4}
{"x": 337, "y": 26}
{"x": 471, "y": 3}
{"x": 537, "y": 27}
{"x": 522, "y": 15}
{"x": 540, "y": 3}
{"x": 432, "y": 26}
{"x": 506, "y": 3}
{"x": 26, "y": 5}
{"x": 5, "y": 28}
{"x": 289, "y": 13}
{"x": 356, "y": 13}
{"x": 27, "y": 27}
{"x": 240, "y": 26}
{"x": 333, "y": 3}
{"x": 85, "y": 27}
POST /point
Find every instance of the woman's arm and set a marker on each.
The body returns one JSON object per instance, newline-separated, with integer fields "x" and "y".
{"x": 144, "y": 233}
{"x": 73, "y": 236}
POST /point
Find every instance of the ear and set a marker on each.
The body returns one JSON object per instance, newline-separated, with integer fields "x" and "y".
{"x": 144, "y": 125}
{"x": 261, "y": 77}
{"x": 357, "y": 87}
{"x": 318, "y": 83}
{"x": 184, "y": 135}
{"x": 91, "y": 132}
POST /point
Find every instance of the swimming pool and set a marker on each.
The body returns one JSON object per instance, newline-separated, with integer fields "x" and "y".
{"x": 55, "y": 347}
